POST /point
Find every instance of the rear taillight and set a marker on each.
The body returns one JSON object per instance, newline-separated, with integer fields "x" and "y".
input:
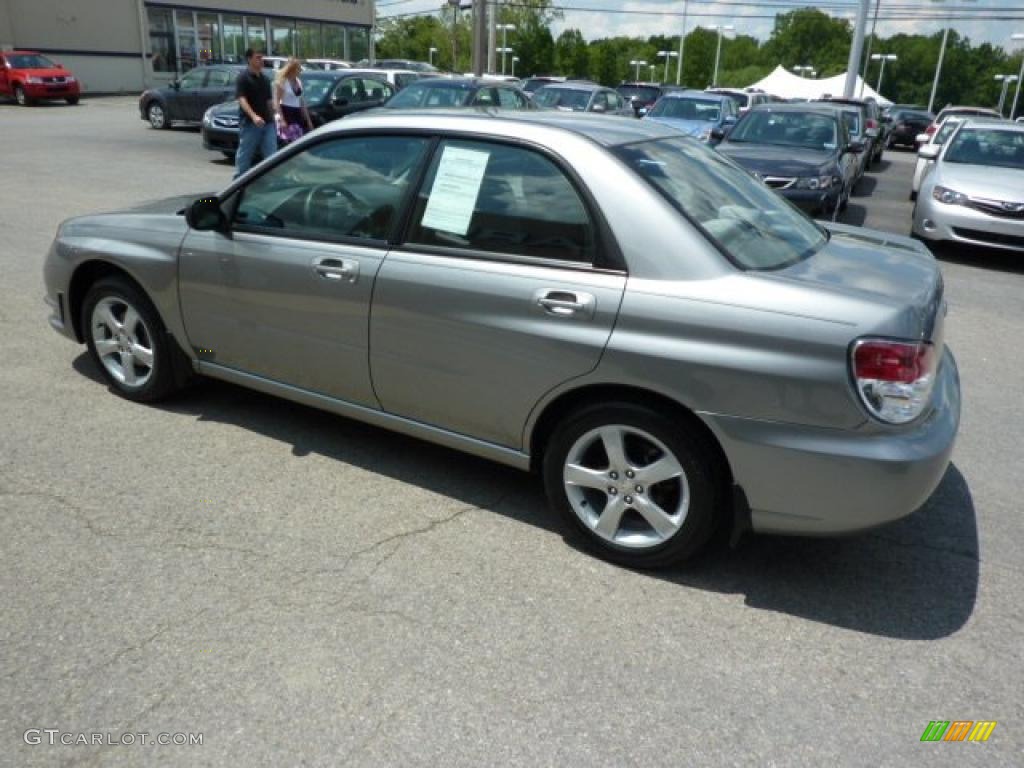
{"x": 894, "y": 378}
{"x": 872, "y": 123}
{"x": 930, "y": 129}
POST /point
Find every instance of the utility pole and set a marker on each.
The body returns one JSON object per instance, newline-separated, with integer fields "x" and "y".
{"x": 682, "y": 48}
{"x": 492, "y": 26}
{"x": 856, "y": 49}
{"x": 867, "y": 56}
{"x": 479, "y": 36}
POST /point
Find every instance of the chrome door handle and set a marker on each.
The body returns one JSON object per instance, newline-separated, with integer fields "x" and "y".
{"x": 565, "y": 303}
{"x": 340, "y": 270}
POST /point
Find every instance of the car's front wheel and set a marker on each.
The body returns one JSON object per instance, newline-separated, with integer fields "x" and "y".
{"x": 640, "y": 488}
{"x": 127, "y": 340}
{"x": 21, "y": 97}
{"x": 71, "y": 100}
{"x": 156, "y": 115}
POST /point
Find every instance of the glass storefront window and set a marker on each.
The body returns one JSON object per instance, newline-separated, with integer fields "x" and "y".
{"x": 283, "y": 41}
{"x": 188, "y": 50}
{"x": 308, "y": 34}
{"x": 234, "y": 40}
{"x": 161, "y": 40}
{"x": 334, "y": 41}
{"x": 208, "y": 30}
{"x": 358, "y": 43}
{"x": 255, "y": 33}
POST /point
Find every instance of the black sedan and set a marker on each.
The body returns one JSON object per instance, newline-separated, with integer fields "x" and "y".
{"x": 185, "y": 100}
{"x": 329, "y": 95}
{"x": 905, "y": 125}
{"x": 803, "y": 152}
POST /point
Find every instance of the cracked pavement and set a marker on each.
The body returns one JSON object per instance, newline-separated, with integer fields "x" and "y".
{"x": 306, "y": 590}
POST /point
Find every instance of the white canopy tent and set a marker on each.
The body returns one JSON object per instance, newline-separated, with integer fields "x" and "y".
{"x": 784, "y": 83}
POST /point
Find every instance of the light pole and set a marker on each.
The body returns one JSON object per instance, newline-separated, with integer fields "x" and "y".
{"x": 938, "y": 66}
{"x": 682, "y": 47}
{"x": 882, "y": 57}
{"x": 666, "y": 55}
{"x": 803, "y": 70}
{"x": 430, "y": 55}
{"x": 718, "y": 50}
{"x": 1020, "y": 77}
{"x": 505, "y": 29}
{"x": 1007, "y": 79}
{"x": 514, "y": 60}
{"x": 637, "y": 63}
{"x": 650, "y": 74}
{"x": 503, "y": 51}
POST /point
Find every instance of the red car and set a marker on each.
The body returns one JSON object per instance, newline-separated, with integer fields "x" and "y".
{"x": 29, "y": 76}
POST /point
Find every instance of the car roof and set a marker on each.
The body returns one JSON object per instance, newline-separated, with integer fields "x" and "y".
{"x": 578, "y": 85}
{"x": 809, "y": 106}
{"x": 598, "y": 128}
{"x": 992, "y": 122}
{"x": 19, "y": 51}
{"x": 693, "y": 93}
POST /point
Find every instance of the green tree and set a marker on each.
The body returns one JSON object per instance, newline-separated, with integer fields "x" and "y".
{"x": 572, "y": 56}
{"x": 808, "y": 37}
{"x": 531, "y": 40}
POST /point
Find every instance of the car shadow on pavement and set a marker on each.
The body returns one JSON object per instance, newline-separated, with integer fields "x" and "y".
{"x": 914, "y": 579}
{"x": 987, "y": 259}
{"x": 865, "y": 187}
{"x": 854, "y": 215}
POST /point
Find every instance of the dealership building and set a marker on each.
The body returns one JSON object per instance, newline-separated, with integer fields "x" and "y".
{"x": 117, "y": 46}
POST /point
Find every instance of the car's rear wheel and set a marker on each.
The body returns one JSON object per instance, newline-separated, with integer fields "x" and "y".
{"x": 21, "y": 97}
{"x": 639, "y": 488}
{"x": 127, "y": 340}
{"x": 72, "y": 100}
{"x": 156, "y": 116}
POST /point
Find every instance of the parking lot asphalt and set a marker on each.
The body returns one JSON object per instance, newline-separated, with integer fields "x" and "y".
{"x": 305, "y": 590}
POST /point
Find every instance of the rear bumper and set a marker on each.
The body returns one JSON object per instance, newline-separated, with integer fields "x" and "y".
{"x": 812, "y": 481}
{"x": 939, "y": 222}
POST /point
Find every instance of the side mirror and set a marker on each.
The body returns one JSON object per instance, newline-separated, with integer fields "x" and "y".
{"x": 929, "y": 151}
{"x": 205, "y": 214}
{"x": 729, "y": 120}
{"x": 717, "y": 134}
{"x": 886, "y": 118}
{"x": 60, "y": 66}
{"x": 176, "y": 84}
{"x": 855, "y": 147}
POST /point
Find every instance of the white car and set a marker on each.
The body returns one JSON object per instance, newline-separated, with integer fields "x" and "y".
{"x": 328, "y": 64}
{"x": 397, "y": 77}
{"x": 926, "y": 154}
{"x": 974, "y": 194}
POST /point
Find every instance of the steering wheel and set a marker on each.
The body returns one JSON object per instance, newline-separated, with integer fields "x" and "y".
{"x": 322, "y": 195}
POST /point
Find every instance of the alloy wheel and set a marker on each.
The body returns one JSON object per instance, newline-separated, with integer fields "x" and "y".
{"x": 157, "y": 119}
{"x": 123, "y": 342}
{"x": 626, "y": 486}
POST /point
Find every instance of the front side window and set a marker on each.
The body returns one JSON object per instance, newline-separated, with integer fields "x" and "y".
{"x": 219, "y": 78}
{"x": 503, "y": 200}
{"x": 704, "y": 110}
{"x": 509, "y": 99}
{"x": 569, "y": 99}
{"x": 345, "y": 188}
{"x": 194, "y": 79}
{"x": 425, "y": 95}
{"x": 754, "y": 225}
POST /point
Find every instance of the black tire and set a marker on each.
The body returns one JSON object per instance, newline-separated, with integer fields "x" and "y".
{"x": 157, "y": 116}
{"x": 21, "y": 97}
{"x": 688, "y": 447}
{"x": 913, "y": 196}
{"x": 71, "y": 100}
{"x": 161, "y": 380}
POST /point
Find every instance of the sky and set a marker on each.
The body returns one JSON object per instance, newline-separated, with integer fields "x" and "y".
{"x": 650, "y": 17}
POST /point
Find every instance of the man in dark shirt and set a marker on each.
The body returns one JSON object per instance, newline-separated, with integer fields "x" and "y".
{"x": 256, "y": 129}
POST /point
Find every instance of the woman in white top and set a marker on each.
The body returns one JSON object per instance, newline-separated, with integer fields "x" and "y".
{"x": 289, "y": 105}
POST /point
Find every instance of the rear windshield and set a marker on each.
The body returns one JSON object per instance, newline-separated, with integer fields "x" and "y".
{"x": 29, "y": 61}
{"x": 643, "y": 93}
{"x": 852, "y": 120}
{"x": 432, "y": 95}
{"x": 562, "y": 98}
{"x": 750, "y": 222}
{"x": 987, "y": 146}
{"x": 707, "y": 110}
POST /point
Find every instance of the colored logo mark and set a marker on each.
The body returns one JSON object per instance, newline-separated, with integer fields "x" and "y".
{"x": 958, "y": 730}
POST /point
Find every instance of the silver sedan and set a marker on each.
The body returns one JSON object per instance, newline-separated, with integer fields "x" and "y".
{"x": 670, "y": 345}
{"x": 974, "y": 194}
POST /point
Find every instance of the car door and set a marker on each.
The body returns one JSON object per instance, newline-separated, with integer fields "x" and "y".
{"x": 183, "y": 101}
{"x": 499, "y": 293}
{"x": 284, "y": 294}
{"x": 219, "y": 87}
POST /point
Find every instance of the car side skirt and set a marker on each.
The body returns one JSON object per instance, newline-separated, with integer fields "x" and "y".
{"x": 484, "y": 450}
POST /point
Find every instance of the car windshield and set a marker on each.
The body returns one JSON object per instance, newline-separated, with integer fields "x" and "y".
{"x": 987, "y": 146}
{"x": 706, "y": 110}
{"x": 644, "y": 93}
{"x": 562, "y": 98}
{"x": 808, "y": 130}
{"x": 750, "y": 222}
{"x": 431, "y": 95}
{"x": 29, "y": 61}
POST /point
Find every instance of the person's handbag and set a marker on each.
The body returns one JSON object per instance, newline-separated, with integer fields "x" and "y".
{"x": 289, "y": 132}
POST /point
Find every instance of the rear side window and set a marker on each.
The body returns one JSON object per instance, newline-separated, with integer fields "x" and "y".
{"x": 503, "y": 200}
